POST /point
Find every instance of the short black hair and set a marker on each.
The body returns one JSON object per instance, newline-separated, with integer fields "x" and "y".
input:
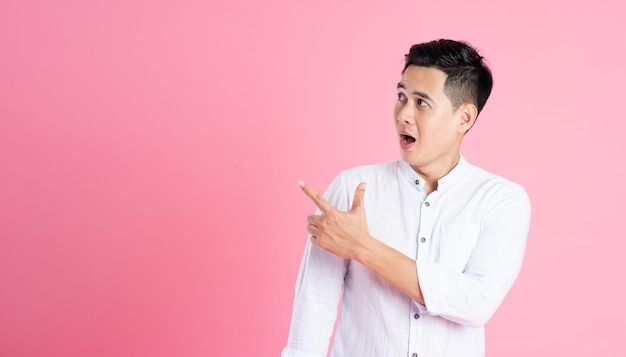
{"x": 468, "y": 78}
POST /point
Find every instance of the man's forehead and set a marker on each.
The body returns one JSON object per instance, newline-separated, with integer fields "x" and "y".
{"x": 423, "y": 78}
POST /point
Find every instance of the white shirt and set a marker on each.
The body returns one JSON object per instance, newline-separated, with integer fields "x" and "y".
{"x": 468, "y": 238}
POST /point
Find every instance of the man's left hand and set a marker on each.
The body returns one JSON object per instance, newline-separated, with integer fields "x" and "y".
{"x": 344, "y": 234}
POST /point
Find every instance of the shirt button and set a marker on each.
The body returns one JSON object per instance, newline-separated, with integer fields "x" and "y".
{"x": 427, "y": 204}
{"x": 414, "y": 355}
{"x": 416, "y": 316}
{"x": 422, "y": 239}
{"x": 417, "y": 182}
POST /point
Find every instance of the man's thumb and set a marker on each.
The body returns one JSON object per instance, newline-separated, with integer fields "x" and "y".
{"x": 359, "y": 193}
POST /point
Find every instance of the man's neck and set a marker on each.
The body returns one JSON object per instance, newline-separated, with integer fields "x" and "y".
{"x": 432, "y": 173}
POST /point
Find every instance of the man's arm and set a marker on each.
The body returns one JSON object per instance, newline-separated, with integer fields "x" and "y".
{"x": 318, "y": 291}
{"x": 470, "y": 297}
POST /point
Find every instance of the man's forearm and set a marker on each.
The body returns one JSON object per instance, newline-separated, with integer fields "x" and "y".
{"x": 393, "y": 266}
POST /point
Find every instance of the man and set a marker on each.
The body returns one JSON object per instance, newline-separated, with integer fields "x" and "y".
{"x": 427, "y": 253}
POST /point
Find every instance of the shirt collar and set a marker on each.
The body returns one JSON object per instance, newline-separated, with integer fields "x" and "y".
{"x": 450, "y": 178}
{"x": 411, "y": 176}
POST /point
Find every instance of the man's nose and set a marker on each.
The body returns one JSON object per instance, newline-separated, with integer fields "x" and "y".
{"x": 406, "y": 115}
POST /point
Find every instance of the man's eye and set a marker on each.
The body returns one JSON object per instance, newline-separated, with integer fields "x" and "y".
{"x": 401, "y": 96}
{"x": 422, "y": 103}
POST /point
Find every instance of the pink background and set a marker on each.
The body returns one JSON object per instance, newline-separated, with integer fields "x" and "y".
{"x": 149, "y": 154}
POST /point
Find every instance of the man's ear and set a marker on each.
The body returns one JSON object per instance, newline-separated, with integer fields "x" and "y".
{"x": 467, "y": 116}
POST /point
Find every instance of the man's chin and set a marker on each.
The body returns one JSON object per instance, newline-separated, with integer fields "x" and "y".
{"x": 409, "y": 159}
{"x": 412, "y": 158}
{"x": 407, "y": 156}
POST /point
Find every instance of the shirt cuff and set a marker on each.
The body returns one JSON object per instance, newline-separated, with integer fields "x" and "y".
{"x": 289, "y": 352}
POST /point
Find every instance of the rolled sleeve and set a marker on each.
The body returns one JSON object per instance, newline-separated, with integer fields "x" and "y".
{"x": 471, "y": 297}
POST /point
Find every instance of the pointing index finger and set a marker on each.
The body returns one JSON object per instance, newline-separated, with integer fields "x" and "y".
{"x": 319, "y": 201}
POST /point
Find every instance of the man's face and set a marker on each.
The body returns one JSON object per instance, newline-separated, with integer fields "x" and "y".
{"x": 427, "y": 124}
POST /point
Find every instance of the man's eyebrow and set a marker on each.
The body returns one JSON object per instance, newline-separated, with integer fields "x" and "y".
{"x": 417, "y": 93}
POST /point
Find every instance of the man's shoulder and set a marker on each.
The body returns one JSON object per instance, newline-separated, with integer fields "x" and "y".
{"x": 493, "y": 182}
{"x": 371, "y": 170}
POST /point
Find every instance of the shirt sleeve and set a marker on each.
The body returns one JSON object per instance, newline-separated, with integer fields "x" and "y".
{"x": 470, "y": 298}
{"x": 318, "y": 290}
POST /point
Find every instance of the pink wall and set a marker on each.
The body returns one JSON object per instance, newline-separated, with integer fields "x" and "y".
{"x": 149, "y": 154}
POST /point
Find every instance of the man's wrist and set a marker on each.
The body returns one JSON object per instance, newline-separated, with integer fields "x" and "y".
{"x": 366, "y": 249}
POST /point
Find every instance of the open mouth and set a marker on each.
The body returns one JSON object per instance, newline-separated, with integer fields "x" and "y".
{"x": 407, "y": 139}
